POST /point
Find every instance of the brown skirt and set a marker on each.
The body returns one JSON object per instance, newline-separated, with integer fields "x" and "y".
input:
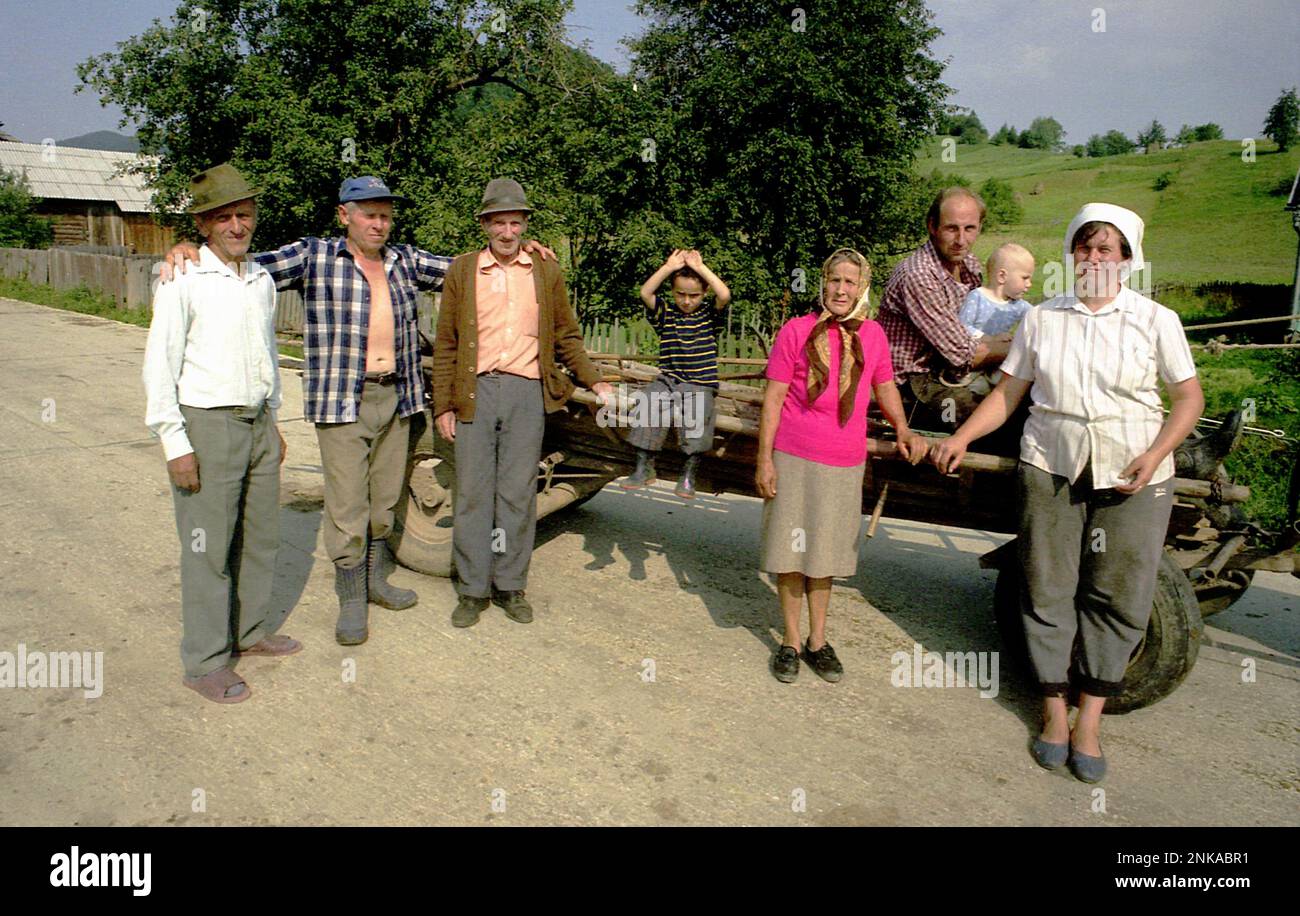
{"x": 811, "y": 526}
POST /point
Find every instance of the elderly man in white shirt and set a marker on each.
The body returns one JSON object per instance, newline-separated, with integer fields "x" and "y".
{"x": 1096, "y": 456}
{"x": 213, "y": 384}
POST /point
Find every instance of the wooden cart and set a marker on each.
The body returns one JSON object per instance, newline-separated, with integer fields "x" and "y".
{"x": 1212, "y": 549}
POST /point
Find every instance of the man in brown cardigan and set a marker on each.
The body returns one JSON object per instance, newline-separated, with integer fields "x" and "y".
{"x": 504, "y": 329}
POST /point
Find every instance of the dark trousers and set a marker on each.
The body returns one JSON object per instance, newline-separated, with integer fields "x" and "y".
{"x": 1090, "y": 559}
{"x": 496, "y": 485}
{"x": 666, "y": 404}
{"x": 230, "y": 535}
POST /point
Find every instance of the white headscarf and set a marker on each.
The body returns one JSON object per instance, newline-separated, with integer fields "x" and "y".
{"x": 1127, "y": 222}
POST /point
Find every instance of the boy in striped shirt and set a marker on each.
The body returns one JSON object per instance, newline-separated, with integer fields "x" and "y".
{"x": 682, "y": 396}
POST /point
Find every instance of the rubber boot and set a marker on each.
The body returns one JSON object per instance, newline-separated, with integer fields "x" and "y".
{"x": 686, "y": 483}
{"x": 350, "y": 586}
{"x": 381, "y": 592}
{"x": 643, "y": 475}
{"x": 1198, "y": 459}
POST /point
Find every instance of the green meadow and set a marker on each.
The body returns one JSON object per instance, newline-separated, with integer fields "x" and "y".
{"x": 1219, "y": 218}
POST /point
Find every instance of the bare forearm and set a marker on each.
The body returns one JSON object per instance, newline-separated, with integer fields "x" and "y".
{"x": 720, "y": 290}
{"x": 1178, "y": 425}
{"x": 990, "y": 352}
{"x": 891, "y": 405}
{"x": 651, "y": 286}
{"x": 767, "y": 423}
{"x": 992, "y": 412}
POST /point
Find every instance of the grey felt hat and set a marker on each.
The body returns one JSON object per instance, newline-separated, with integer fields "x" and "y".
{"x": 503, "y": 195}
{"x": 220, "y": 185}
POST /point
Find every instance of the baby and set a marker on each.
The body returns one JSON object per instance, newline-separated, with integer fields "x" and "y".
{"x": 997, "y": 306}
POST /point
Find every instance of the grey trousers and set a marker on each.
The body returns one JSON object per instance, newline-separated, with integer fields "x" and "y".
{"x": 496, "y": 485}
{"x": 230, "y": 536}
{"x": 1090, "y": 559}
{"x": 667, "y": 403}
{"x": 365, "y": 467}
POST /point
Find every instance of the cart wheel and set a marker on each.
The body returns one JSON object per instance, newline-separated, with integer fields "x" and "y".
{"x": 421, "y": 538}
{"x": 1162, "y": 659}
{"x": 1224, "y": 592}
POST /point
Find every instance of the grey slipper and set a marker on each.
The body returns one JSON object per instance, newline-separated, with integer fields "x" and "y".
{"x": 1047, "y": 755}
{"x": 1085, "y": 767}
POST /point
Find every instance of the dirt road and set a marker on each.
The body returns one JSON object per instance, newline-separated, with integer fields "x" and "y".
{"x": 640, "y": 695}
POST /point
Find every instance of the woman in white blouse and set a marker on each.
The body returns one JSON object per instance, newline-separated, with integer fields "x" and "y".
{"x": 1095, "y": 474}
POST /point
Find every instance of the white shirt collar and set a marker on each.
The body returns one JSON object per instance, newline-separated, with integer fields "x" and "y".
{"x": 209, "y": 262}
{"x": 1125, "y": 302}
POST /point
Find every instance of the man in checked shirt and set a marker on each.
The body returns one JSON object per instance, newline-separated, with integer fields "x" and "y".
{"x": 930, "y": 347}
{"x": 362, "y": 383}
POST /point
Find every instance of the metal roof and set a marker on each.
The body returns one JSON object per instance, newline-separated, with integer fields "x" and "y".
{"x": 67, "y": 173}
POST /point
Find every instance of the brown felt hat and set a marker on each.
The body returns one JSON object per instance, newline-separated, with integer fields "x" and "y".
{"x": 503, "y": 195}
{"x": 220, "y": 185}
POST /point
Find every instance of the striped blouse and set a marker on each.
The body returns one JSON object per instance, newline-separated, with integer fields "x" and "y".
{"x": 1094, "y": 395}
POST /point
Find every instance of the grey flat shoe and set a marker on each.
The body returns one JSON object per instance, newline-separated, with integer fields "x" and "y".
{"x": 1047, "y": 755}
{"x": 1085, "y": 767}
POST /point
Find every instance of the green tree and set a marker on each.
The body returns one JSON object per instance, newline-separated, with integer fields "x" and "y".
{"x": 1282, "y": 124}
{"x": 1208, "y": 131}
{"x": 1000, "y": 199}
{"x": 964, "y": 124}
{"x": 1043, "y": 133}
{"x": 1153, "y": 135}
{"x": 1005, "y": 134}
{"x": 1116, "y": 143}
{"x": 791, "y": 133}
{"x": 301, "y": 100}
{"x": 19, "y": 226}
{"x": 1186, "y": 135}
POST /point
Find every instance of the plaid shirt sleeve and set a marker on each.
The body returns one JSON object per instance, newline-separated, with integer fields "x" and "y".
{"x": 933, "y": 309}
{"x": 288, "y": 265}
{"x": 430, "y": 269}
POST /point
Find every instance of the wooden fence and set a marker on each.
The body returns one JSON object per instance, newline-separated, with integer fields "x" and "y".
{"x": 638, "y": 338}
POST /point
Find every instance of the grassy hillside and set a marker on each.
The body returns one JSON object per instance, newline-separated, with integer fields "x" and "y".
{"x": 1217, "y": 219}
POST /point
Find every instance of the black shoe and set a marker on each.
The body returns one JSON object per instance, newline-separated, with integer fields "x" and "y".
{"x": 643, "y": 475}
{"x": 824, "y": 662}
{"x": 381, "y": 592}
{"x": 467, "y": 612}
{"x": 686, "y": 483}
{"x": 1198, "y": 459}
{"x": 785, "y": 664}
{"x": 514, "y": 604}
{"x": 350, "y": 586}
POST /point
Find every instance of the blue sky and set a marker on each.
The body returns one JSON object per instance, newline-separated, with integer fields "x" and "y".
{"x": 1181, "y": 61}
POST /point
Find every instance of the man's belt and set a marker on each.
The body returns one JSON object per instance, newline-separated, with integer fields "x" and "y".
{"x": 381, "y": 378}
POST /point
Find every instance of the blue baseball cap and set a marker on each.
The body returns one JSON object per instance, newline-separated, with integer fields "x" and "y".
{"x": 367, "y": 187}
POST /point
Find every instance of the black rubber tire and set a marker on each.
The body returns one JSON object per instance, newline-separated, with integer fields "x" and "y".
{"x": 1162, "y": 660}
{"x": 421, "y": 538}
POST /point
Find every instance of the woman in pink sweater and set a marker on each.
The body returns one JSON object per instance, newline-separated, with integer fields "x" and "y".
{"x": 812, "y": 452}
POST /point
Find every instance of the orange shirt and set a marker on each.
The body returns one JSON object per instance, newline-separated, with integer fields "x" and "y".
{"x": 506, "y": 305}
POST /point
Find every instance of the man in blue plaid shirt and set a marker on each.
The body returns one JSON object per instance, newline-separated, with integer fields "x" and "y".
{"x": 362, "y": 383}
